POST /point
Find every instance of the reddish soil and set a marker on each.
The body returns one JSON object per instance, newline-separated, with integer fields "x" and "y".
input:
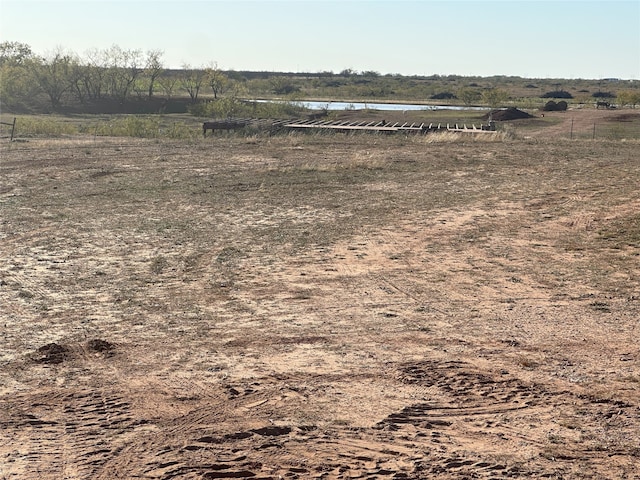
{"x": 580, "y": 121}
{"x": 330, "y": 307}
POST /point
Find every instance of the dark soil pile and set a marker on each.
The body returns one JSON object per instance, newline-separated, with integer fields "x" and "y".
{"x": 51, "y": 353}
{"x": 99, "y": 345}
{"x": 625, "y": 117}
{"x": 552, "y": 106}
{"x": 510, "y": 113}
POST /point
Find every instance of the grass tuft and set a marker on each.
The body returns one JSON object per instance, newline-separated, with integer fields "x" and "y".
{"x": 44, "y": 126}
{"x": 459, "y": 137}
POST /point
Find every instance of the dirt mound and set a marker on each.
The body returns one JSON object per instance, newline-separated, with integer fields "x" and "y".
{"x": 51, "y": 353}
{"x": 625, "y": 117}
{"x": 552, "y": 106}
{"x": 101, "y": 346}
{"x": 510, "y": 113}
{"x": 54, "y": 353}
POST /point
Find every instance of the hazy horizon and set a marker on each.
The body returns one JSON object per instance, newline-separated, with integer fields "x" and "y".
{"x": 529, "y": 39}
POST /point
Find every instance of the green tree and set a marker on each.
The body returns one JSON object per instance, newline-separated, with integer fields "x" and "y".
{"x": 218, "y": 81}
{"x": 17, "y": 87}
{"x": 16, "y": 82}
{"x": 495, "y": 97}
{"x": 95, "y": 71}
{"x": 153, "y": 68}
{"x": 469, "y": 96}
{"x": 628, "y": 97}
{"x": 124, "y": 68}
{"x": 282, "y": 86}
{"x": 53, "y": 74}
{"x": 168, "y": 82}
{"x": 230, "y": 105}
{"x": 77, "y": 76}
{"x": 191, "y": 80}
{"x": 14, "y": 53}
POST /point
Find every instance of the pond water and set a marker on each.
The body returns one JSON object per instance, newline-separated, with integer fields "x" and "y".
{"x": 377, "y": 106}
{"x": 382, "y": 106}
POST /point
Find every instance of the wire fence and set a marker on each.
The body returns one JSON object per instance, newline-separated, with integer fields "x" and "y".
{"x": 13, "y": 128}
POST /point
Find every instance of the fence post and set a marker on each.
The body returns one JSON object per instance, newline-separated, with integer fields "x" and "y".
{"x": 594, "y": 131}
{"x": 571, "y": 135}
{"x": 13, "y": 129}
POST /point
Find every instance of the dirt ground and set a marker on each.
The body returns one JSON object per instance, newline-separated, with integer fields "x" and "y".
{"x": 330, "y": 307}
{"x": 584, "y": 123}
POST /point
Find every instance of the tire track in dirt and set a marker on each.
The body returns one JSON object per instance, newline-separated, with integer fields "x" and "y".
{"x": 57, "y": 434}
{"x": 475, "y": 425}
{"x": 329, "y": 363}
{"x": 472, "y": 406}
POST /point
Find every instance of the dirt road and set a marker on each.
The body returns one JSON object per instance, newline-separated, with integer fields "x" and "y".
{"x": 584, "y": 123}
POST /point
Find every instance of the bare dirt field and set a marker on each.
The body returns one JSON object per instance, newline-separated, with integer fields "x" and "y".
{"x": 332, "y": 307}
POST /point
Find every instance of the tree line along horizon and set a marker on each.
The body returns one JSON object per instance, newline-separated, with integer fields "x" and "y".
{"x": 116, "y": 80}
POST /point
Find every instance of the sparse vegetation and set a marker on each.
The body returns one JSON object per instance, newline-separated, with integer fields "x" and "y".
{"x": 373, "y": 295}
{"x": 629, "y": 98}
{"x": 28, "y": 126}
{"x": 557, "y": 94}
{"x": 603, "y": 95}
{"x": 116, "y": 80}
{"x": 443, "y": 96}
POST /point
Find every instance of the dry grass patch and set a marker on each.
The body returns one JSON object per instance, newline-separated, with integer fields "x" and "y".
{"x": 295, "y": 305}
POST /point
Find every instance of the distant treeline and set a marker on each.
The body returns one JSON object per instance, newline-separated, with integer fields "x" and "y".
{"x": 115, "y": 80}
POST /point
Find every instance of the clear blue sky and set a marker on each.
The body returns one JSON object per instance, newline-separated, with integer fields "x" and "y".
{"x": 536, "y": 39}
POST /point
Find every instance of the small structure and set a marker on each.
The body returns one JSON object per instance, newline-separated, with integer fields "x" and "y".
{"x": 385, "y": 127}
{"x": 226, "y": 124}
{"x": 378, "y": 126}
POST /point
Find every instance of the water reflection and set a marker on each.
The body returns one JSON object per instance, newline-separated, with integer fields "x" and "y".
{"x": 382, "y": 106}
{"x": 376, "y": 106}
